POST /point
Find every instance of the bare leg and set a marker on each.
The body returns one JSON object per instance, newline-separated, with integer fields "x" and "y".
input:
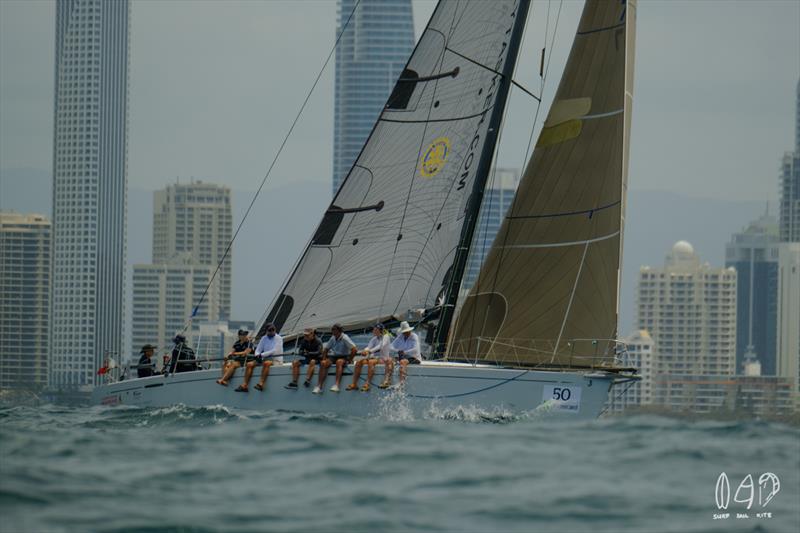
{"x": 356, "y": 372}
{"x": 323, "y": 372}
{"x": 311, "y": 366}
{"x": 387, "y": 373}
{"x": 371, "y": 370}
{"x": 295, "y": 370}
{"x": 230, "y": 368}
{"x": 264, "y": 373}
{"x": 403, "y": 365}
{"x": 248, "y": 373}
{"x": 339, "y": 370}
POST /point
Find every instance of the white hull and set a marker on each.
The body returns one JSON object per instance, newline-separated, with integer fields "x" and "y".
{"x": 432, "y": 385}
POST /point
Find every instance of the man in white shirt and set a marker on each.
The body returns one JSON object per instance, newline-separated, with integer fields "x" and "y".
{"x": 268, "y": 352}
{"x": 408, "y": 353}
{"x": 377, "y": 351}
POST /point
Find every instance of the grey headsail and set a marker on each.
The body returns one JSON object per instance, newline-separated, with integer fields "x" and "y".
{"x": 548, "y": 290}
{"x": 388, "y": 241}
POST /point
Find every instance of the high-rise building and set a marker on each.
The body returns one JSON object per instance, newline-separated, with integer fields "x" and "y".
{"x": 24, "y": 300}
{"x": 753, "y": 252}
{"x": 689, "y": 309}
{"x": 788, "y": 338}
{"x": 195, "y": 218}
{"x": 496, "y": 201}
{"x": 165, "y": 296}
{"x": 790, "y": 186}
{"x": 372, "y": 52}
{"x": 89, "y": 188}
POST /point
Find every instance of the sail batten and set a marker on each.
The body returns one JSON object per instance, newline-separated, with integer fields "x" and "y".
{"x": 550, "y": 283}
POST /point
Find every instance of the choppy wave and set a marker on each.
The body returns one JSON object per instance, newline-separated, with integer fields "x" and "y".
{"x": 457, "y": 469}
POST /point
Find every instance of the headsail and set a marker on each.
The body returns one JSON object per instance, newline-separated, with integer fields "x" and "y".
{"x": 548, "y": 291}
{"x": 388, "y": 241}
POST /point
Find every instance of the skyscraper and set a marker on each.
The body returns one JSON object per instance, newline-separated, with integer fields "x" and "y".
{"x": 372, "y": 52}
{"x": 89, "y": 187}
{"x": 195, "y": 218}
{"x": 496, "y": 202}
{"x": 24, "y": 300}
{"x": 754, "y": 254}
{"x": 790, "y": 185}
{"x": 689, "y": 309}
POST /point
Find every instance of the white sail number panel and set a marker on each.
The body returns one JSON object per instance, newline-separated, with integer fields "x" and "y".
{"x": 562, "y": 397}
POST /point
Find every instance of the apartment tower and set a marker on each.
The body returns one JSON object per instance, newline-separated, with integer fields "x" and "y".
{"x": 89, "y": 188}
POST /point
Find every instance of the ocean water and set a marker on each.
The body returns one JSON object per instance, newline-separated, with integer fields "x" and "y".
{"x": 213, "y": 469}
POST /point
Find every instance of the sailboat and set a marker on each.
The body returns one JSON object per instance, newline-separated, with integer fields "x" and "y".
{"x": 537, "y": 331}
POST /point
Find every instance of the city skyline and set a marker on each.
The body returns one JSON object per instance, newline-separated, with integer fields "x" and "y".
{"x": 622, "y": 327}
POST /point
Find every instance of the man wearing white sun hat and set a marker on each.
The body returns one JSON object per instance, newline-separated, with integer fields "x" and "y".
{"x": 408, "y": 353}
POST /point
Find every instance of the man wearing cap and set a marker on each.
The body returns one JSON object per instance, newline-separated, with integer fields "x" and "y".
{"x": 407, "y": 347}
{"x": 377, "y": 351}
{"x": 268, "y": 352}
{"x": 237, "y": 357}
{"x": 182, "y": 352}
{"x": 146, "y": 366}
{"x": 337, "y": 351}
{"x": 310, "y": 347}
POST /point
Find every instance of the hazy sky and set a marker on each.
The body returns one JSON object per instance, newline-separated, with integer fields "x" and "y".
{"x": 215, "y": 85}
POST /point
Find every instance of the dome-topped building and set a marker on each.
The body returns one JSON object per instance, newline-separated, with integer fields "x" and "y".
{"x": 689, "y": 309}
{"x": 682, "y": 256}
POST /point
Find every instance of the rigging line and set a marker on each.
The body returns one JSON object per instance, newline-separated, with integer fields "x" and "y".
{"x": 620, "y": 395}
{"x": 275, "y": 159}
{"x": 571, "y": 299}
{"x": 512, "y": 80}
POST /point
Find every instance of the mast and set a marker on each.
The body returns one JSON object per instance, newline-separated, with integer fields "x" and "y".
{"x": 503, "y": 81}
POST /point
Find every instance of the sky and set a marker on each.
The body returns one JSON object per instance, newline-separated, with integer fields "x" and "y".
{"x": 215, "y": 85}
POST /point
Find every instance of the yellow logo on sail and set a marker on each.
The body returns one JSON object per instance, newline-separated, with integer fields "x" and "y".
{"x": 435, "y": 157}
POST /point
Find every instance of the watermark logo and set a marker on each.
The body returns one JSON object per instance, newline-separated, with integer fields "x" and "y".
{"x": 745, "y": 496}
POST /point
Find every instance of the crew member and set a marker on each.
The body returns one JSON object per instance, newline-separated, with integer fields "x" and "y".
{"x": 339, "y": 350}
{"x": 407, "y": 347}
{"x": 310, "y": 347}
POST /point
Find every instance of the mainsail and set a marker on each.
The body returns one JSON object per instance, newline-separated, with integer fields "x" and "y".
{"x": 548, "y": 290}
{"x": 388, "y": 242}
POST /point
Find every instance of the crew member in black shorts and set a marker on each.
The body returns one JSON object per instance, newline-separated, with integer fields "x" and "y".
{"x": 310, "y": 347}
{"x": 240, "y": 354}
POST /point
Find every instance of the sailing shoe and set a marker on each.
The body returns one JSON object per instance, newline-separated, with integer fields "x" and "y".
{"x": 291, "y": 385}
{"x": 306, "y": 384}
{"x": 335, "y": 388}
{"x": 385, "y": 385}
{"x": 316, "y": 390}
{"x": 365, "y": 387}
{"x": 352, "y": 386}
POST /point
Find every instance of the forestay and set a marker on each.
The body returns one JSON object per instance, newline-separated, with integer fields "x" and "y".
{"x": 548, "y": 291}
{"x": 388, "y": 240}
